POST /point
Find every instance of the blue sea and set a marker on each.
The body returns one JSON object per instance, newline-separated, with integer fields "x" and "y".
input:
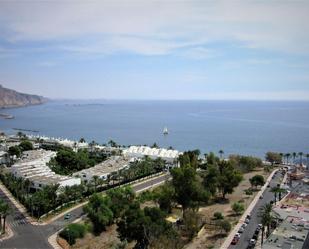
{"x": 242, "y": 127}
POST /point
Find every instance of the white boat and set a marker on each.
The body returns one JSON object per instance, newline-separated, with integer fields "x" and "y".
{"x": 165, "y": 131}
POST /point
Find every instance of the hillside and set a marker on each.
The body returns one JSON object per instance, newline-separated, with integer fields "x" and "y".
{"x": 11, "y": 98}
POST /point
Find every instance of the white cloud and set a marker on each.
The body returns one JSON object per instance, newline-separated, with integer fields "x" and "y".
{"x": 158, "y": 27}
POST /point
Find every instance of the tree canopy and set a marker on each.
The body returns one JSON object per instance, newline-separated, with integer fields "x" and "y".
{"x": 189, "y": 192}
{"x": 273, "y": 157}
{"x": 257, "y": 180}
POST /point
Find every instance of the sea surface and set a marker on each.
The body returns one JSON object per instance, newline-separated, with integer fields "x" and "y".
{"x": 242, "y": 127}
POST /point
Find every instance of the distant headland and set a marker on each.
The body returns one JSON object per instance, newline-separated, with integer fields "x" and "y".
{"x": 11, "y": 98}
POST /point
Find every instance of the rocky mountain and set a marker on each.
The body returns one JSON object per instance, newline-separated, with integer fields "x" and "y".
{"x": 11, "y": 98}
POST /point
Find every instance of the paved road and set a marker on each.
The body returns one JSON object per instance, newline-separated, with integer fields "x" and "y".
{"x": 29, "y": 236}
{"x": 255, "y": 220}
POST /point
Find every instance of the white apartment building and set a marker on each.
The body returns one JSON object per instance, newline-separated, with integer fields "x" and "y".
{"x": 170, "y": 156}
{"x": 103, "y": 169}
{"x": 32, "y": 166}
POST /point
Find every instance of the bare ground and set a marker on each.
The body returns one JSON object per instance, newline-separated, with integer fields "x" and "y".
{"x": 208, "y": 237}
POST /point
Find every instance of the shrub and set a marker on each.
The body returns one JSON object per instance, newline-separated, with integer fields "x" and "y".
{"x": 248, "y": 192}
{"x": 224, "y": 225}
{"x": 73, "y": 232}
{"x": 26, "y": 145}
{"x": 218, "y": 216}
{"x": 238, "y": 208}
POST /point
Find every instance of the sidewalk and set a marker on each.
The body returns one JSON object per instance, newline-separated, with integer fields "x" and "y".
{"x": 9, "y": 233}
{"x": 229, "y": 239}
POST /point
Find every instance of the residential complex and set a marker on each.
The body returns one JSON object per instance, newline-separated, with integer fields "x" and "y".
{"x": 33, "y": 166}
{"x": 170, "y": 156}
{"x": 103, "y": 169}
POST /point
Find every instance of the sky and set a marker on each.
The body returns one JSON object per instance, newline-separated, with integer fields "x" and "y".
{"x": 247, "y": 50}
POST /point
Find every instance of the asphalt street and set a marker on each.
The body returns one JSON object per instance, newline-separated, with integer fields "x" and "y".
{"x": 255, "y": 219}
{"x": 29, "y": 236}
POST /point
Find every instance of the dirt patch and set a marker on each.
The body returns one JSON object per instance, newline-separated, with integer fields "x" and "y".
{"x": 63, "y": 243}
{"x": 107, "y": 239}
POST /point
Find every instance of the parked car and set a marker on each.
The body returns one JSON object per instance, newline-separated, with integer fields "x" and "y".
{"x": 237, "y": 235}
{"x": 255, "y": 236}
{"x": 67, "y": 216}
{"x": 241, "y": 230}
{"x": 248, "y": 216}
{"x": 244, "y": 225}
{"x": 261, "y": 197}
{"x": 260, "y": 226}
{"x": 252, "y": 242}
{"x": 247, "y": 221}
{"x": 235, "y": 240}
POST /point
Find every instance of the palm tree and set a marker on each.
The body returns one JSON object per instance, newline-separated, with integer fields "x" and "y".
{"x": 221, "y": 152}
{"x": 5, "y": 210}
{"x": 1, "y": 204}
{"x": 95, "y": 180}
{"x": 287, "y": 155}
{"x": 280, "y": 192}
{"x": 82, "y": 140}
{"x": 301, "y": 157}
{"x": 294, "y": 154}
{"x": 92, "y": 145}
{"x": 277, "y": 191}
{"x": 266, "y": 218}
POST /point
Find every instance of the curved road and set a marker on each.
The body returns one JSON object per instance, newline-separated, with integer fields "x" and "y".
{"x": 30, "y": 236}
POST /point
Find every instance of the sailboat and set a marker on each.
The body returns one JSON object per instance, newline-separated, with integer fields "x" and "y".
{"x": 165, "y": 131}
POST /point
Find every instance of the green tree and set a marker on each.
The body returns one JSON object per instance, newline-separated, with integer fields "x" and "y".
{"x": 224, "y": 225}
{"x": 277, "y": 192}
{"x": 120, "y": 200}
{"x": 5, "y": 210}
{"x": 26, "y": 145}
{"x": 301, "y": 157}
{"x": 21, "y": 135}
{"x": 99, "y": 212}
{"x": 221, "y": 152}
{"x": 82, "y": 140}
{"x": 73, "y": 232}
{"x": 229, "y": 178}
{"x": 166, "y": 197}
{"x": 112, "y": 143}
{"x": 267, "y": 218}
{"x": 257, "y": 180}
{"x": 15, "y": 151}
{"x": 294, "y": 154}
{"x": 189, "y": 192}
{"x": 143, "y": 225}
{"x": 210, "y": 179}
{"x": 273, "y": 157}
{"x": 190, "y": 158}
{"x": 287, "y": 156}
{"x": 218, "y": 216}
